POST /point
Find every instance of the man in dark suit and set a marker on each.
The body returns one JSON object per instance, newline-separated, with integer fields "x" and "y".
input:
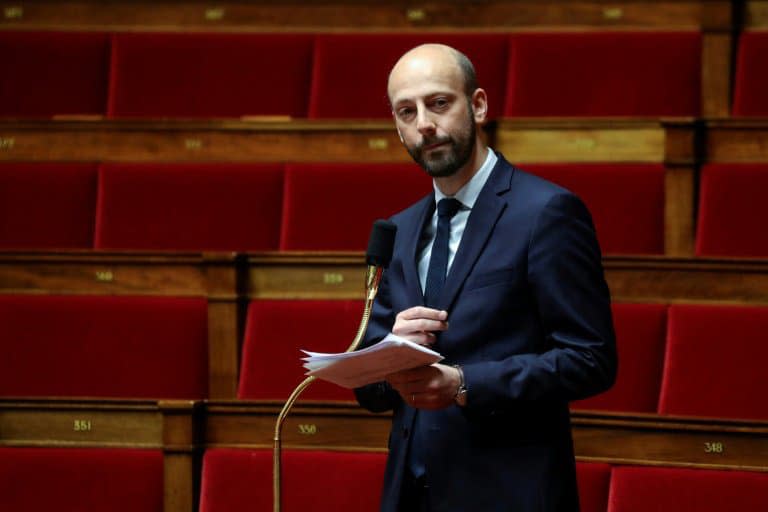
{"x": 500, "y": 272}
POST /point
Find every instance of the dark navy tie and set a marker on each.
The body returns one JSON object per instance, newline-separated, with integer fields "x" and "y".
{"x": 438, "y": 261}
{"x": 438, "y": 268}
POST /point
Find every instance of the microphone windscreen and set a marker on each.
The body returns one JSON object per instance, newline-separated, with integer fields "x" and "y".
{"x": 381, "y": 243}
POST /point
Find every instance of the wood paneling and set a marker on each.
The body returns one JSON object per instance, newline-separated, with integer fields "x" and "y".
{"x": 737, "y": 140}
{"x": 756, "y": 15}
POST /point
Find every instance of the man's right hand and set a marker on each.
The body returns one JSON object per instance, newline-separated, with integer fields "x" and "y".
{"x": 418, "y": 324}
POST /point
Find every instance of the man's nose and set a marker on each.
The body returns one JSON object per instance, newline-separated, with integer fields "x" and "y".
{"x": 425, "y": 124}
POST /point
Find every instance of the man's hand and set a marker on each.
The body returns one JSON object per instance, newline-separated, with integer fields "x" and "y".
{"x": 419, "y": 324}
{"x": 427, "y": 387}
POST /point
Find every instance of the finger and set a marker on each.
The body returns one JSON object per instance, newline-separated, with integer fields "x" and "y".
{"x": 423, "y": 312}
{"x": 402, "y": 327}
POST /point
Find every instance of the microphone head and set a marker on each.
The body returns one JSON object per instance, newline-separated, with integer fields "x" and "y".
{"x": 381, "y": 243}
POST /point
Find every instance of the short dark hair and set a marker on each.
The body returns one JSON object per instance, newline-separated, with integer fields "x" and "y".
{"x": 468, "y": 70}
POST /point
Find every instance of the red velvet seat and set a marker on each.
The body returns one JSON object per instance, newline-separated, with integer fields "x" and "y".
{"x": 640, "y": 337}
{"x": 626, "y": 202}
{"x": 715, "y": 362}
{"x": 76, "y": 479}
{"x": 604, "y": 74}
{"x": 50, "y": 73}
{"x": 47, "y": 205}
{"x": 751, "y": 82}
{"x": 210, "y": 75}
{"x": 644, "y": 489}
{"x": 223, "y": 207}
{"x": 349, "y": 78}
{"x": 103, "y": 346}
{"x": 333, "y": 206}
{"x": 732, "y": 211}
{"x": 593, "y": 479}
{"x": 235, "y": 479}
{"x": 275, "y": 333}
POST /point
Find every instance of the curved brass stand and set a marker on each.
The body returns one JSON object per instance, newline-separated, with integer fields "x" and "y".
{"x": 372, "y": 279}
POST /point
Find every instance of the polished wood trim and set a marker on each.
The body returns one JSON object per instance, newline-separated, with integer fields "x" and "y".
{"x": 756, "y": 16}
{"x": 736, "y": 141}
{"x": 716, "y": 73}
{"x": 679, "y": 211}
{"x": 350, "y": 15}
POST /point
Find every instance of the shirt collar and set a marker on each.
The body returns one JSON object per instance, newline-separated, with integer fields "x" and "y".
{"x": 468, "y": 194}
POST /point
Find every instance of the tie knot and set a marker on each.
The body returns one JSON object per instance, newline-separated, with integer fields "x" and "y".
{"x": 448, "y": 207}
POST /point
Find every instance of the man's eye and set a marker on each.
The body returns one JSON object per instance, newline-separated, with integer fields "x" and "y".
{"x": 440, "y": 103}
{"x": 405, "y": 112}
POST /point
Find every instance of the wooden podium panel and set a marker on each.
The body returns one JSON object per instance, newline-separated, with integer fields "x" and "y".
{"x": 736, "y": 141}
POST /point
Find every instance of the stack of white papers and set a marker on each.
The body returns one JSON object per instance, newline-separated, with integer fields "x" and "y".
{"x": 372, "y": 364}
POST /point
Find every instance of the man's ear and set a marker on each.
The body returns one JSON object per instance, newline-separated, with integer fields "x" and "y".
{"x": 398, "y": 132}
{"x": 480, "y": 105}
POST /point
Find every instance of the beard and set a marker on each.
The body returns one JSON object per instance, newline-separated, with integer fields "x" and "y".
{"x": 447, "y": 160}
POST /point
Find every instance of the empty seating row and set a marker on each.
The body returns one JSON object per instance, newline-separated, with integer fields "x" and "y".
{"x": 240, "y": 479}
{"x": 682, "y": 360}
{"x": 326, "y": 76}
{"x": 256, "y": 207}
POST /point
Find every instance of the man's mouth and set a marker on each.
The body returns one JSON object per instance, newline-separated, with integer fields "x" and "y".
{"x": 435, "y": 145}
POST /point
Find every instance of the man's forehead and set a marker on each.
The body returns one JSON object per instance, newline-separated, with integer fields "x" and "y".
{"x": 424, "y": 73}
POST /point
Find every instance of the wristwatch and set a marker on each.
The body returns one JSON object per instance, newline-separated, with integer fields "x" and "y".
{"x": 461, "y": 392}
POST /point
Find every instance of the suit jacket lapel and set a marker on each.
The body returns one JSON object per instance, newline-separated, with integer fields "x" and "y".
{"x": 412, "y": 238}
{"x": 482, "y": 220}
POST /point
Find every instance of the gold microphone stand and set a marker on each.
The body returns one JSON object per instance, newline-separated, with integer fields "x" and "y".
{"x": 372, "y": 280}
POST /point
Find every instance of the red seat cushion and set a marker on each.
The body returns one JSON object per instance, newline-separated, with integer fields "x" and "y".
{"x": 626, "y": 202}
{"x": 732, "y": 211}
{"x": 604, "y": 74}
{"x": 47, "y": 205}
{"x": 49, "y": 73}
{"x": 275, "y": 333}
{"x": 715, "y": 362}
{"x": 223, "y": 207}
{"x": 333, "y": 206}
{"x": 210, "y": 75}
{"x": 593, "y": 479}
{"x": 103, "y": 346}
{"x": 76, "y": 479}
{"x": 349, "y": 78}
{"x": 749, "y": 97}
{"x": 640, "y": 337}
{"x": 320, "y": 481}
{"x": 643, "y": 489}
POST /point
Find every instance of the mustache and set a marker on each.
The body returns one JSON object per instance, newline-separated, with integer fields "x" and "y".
{"x": 430, "y": 141}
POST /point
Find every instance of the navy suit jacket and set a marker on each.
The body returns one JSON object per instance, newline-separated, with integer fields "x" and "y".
{"x": 530, "y": 323}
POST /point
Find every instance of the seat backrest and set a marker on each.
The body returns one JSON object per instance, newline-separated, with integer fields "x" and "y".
{"x": 276, "y": 332}
{"x": 53, "y": 73}
{"x": 210, "y": 75}
{"x": 593, "y": 479}
{"x": 47, "y": 205}
{"x": 626, "y": 202}
{"x": 604, "y": 74}
{"x": 732, "y": 211}
{"x": 751, "y": 82}
{"x": 714, "y": 363}
{"x": 223, "y": 207}
{"x": 236, "y": 479}
{"x": 77, "y": 479}
{"x": 333, "y": 206}
{"x": 349, "y": 78}
{"x": 103, "y": 346}
{"x": 641, "y": 489}
{"x": 640, "y": 337}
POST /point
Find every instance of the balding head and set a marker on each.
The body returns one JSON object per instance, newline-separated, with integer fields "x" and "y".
{"x": 435, "y": 60}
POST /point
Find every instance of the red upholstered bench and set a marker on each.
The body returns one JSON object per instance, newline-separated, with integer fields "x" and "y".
{"x": 349, "y": 78}
{"x": 50, "y": 73}
{"x": 626, "y": 202}
{"x": 103, "y": 346}
{"x": 224, "y": 207}
{"x": 749, "y": 97}
{"x": 235, "y": 479}
{"x": 333, "y": 206}
{"x": 640, "y": 337}
{"x": 733, "y": 211}
{"x": 210, "y": 75}
{"x": 715, "y": 362}
{"x": 642, "y": 489}
{"x": 275, "y": 333}
{"x": 604, "y": 74}
{"x": 47, "y": 205}
{"x": 593, "y": 479}
{"x": 76, "y": 479}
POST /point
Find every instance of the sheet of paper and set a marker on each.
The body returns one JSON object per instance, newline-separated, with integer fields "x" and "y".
{"x": 371, "y": 364}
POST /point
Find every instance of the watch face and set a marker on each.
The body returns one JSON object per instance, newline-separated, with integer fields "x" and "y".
{"x": 461, "y": 398}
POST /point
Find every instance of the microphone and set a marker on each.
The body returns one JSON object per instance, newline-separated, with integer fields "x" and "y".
{"x": 380, "y": 247}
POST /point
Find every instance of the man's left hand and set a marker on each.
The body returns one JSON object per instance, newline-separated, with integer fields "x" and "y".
{"x": 427, "y": 387}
